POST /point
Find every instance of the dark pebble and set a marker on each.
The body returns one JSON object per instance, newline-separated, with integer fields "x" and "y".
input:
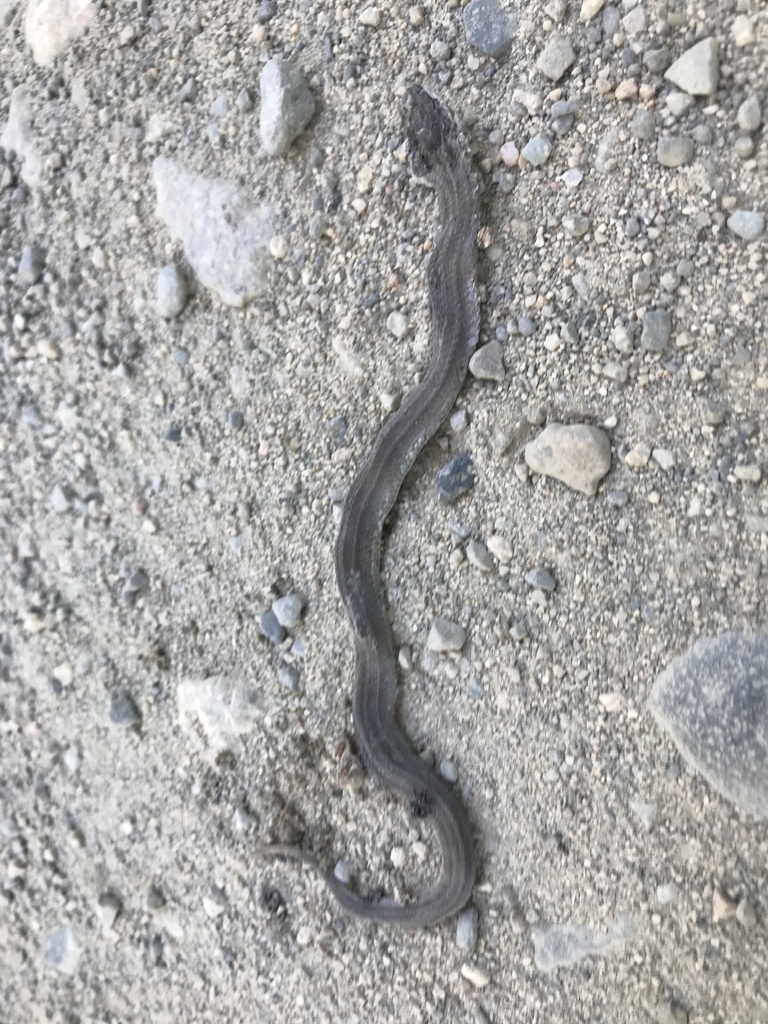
{"x": 270, "y": 627}
{"x": 455, "y": 478}
{"x": 123, "y": 711}
{"x": 541, "y": 578}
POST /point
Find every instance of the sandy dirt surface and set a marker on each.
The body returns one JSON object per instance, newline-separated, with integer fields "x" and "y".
{"x": 165, "y": 480}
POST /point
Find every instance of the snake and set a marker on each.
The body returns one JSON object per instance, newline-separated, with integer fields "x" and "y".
{"x": 438, "y": 154}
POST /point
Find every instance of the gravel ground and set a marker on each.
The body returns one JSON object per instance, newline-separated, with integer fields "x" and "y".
{"x": 172, "y": 464}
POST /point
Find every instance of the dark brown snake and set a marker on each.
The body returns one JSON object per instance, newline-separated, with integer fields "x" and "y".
{"x": 438, "y": 153}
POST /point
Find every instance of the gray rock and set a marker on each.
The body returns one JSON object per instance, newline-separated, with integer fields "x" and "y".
{"x": 643, "y": 125}
{"x": 712, "y": 413}
{"x": 445, "y": 635}
{"x": 455, "y": 478}
{"x": 479, "y": 556}
{"x": 31, "y": 265}
{"x": 536, "y": 151}
{"x": 397, "y": 324}
{"x": 289, "y": 677}
{"x": 674, "y": 150}
{"x": 225, "y": 239}
{"x": 557, "y": 56}
{"x": 488, "y": 362}
{"x": 748, "y": 116}
{"x": 541, "y": 578}
{"x": 577, "y": 454}
{"x": 605, "y": 154}
{"x": 60, "y": 499}
{"x": 488, "y": 27}
{"x": 287, "y": 610}
{"x": 135, "y": 582}
{"x": 657, "y": 328}
{"x": 287, "y": 105}
{"x": 466, "y": 929}
{"x": 562, "y": 945}
{"x": 747, "y": 224}
{"x": 439, "y": 50}
{"x": 108, "y": 909}
{"x": 172, "y": 291}
{"x": 679, "y": 103}
{"x": 123, "y": 712}
{"x": 657, "y": 60}
{"x": 713, "y": 702}
{"x": 270, "y": 627}
{"x": 576, "y": 225}
{"x": 61, "y": 951}
{"x": 697, "y": 72}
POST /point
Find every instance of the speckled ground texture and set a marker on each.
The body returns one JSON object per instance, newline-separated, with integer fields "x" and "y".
{"x": 145, "y": 525}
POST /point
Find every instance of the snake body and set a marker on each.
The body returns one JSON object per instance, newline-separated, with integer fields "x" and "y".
{"x": 437, "y": 152}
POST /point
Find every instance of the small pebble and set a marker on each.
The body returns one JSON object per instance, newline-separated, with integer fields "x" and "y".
{"x": 475, "y": 975}
{"x": 288, "y": 676}
{"x": 541, "y": 579}
{"x": 487, "y": 363}
{"x": 123, "y": 711}
{"x": 749, "y": 117}
{"x": 287, "y": 610}
{"x": 270, "y": 627}
{"x": 557, "y": 56}
{"x": 31, "y": 265}
{"x": 657, "y": 328}
{"x": 537, "y": 150}
{"x": 397, "y": 324}
{"x": 489, "y": 26}
{"x": 455, "y": 478}
{"x": 466, "y": 929}
{"x": 747, "y": 224}
{"x": 445, "y": 635}
{"x": 370, "y": 17}
{"x": 479, "y": 556}
{"x": 61, "y": 951}
{"x": 674, "y": 150}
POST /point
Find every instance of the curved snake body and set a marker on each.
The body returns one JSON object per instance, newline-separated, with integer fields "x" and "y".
{"x": 437, "y": 152}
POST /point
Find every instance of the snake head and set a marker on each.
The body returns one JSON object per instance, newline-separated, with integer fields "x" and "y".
{"x": 432, "y": 132}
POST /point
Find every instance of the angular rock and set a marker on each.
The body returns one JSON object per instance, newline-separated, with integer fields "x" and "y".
{"x": 488, "y": 362}
{"x": 446, "y": 636}
{"x": 287, "y": 610}
{"x": 455, "y": 478}
{"x": 697, "y": 72}
{"x": 488, "y": 27}
{"x": 287, "y": 105}
{"x": 577, "y": 454}
{"x": 225, "y": 239}
{"x": 713, "y": 702}
{"x": 556, "y": 57}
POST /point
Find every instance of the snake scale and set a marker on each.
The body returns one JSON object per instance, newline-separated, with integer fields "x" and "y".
{"x": 437, "y": 151}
